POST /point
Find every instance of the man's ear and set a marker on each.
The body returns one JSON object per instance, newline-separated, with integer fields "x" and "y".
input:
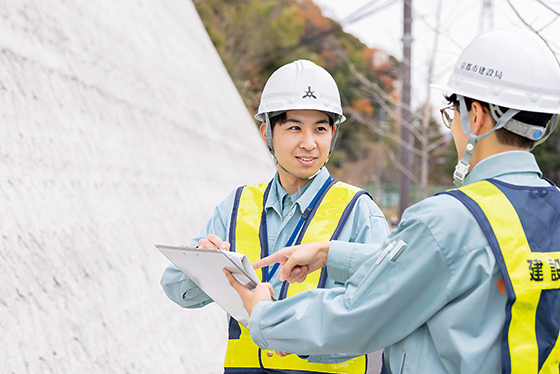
{"x": 263, "y": 132}
{"x": 481, "y": 119}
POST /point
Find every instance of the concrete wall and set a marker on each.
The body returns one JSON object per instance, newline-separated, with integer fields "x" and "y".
{"x": 119, "y": 128}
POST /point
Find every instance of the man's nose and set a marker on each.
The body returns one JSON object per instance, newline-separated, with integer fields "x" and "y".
{"x": 308, "y": 140}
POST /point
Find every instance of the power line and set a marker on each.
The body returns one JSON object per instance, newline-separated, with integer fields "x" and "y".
{"x": 353, "y": 17}
{"x": 548, "y": 7}
{"x": 363, "y": 11}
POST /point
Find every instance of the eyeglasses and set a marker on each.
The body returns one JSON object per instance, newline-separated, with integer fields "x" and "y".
{"x": 447, "y": 114}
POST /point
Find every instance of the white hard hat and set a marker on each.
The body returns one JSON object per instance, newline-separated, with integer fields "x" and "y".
{"x": 301, "y": 85}
{"x": 513, "y": 68}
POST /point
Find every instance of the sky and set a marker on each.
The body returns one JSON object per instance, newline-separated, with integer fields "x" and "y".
{"x": 460, "y": 22}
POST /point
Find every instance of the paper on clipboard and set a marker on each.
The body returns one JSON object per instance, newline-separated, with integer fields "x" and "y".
{"x": 204, "y": 267}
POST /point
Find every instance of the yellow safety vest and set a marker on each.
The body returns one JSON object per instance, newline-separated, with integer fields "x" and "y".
{"x": 522, "y": 225}
{"x": 244, "y": 356}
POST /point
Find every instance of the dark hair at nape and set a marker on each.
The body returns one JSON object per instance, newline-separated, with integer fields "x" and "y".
{"x": 505, "y": 136}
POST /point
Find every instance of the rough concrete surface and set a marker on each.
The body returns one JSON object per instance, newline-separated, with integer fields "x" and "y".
{"x": 119, "y": 128}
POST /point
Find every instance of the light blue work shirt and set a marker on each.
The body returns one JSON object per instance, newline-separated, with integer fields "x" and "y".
{"x": 435, "y": 308}
{"x": 366, "y": 224}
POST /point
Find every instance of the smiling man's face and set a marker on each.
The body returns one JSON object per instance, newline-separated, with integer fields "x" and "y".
{"x": 301, "y": 145}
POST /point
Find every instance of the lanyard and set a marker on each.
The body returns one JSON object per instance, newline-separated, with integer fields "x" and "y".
{"x": 269, "y": 274}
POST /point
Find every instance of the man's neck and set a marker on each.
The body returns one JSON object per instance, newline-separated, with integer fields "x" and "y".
{"x": 290, "y": 183}
{"x": 485, "y": 149}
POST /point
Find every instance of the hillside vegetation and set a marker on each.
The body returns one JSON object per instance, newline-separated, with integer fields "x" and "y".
{"x": 255, "y": 37}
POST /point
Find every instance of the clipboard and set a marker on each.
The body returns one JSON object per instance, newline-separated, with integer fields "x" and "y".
{"x": 204, "y": 267}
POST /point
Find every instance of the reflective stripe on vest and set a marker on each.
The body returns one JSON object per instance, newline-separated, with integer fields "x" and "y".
{"x": 522, "y": 225}
{"x": 324, "y": 223}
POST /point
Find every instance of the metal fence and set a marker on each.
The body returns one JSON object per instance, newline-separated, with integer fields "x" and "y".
{"x": 386, "y": 195}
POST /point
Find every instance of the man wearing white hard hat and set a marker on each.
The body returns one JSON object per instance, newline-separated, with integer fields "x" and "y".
{"x": 300, "y": 112}
{"x": 470, "y": 280}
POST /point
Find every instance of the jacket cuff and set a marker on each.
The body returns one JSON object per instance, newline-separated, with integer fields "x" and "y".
{"x": 254, "y": 325}
{"x": 339, "y": 261}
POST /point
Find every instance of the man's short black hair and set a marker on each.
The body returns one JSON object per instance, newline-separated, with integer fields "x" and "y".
{"x": 505, "y": 136}
{"x": 282, "y": 118}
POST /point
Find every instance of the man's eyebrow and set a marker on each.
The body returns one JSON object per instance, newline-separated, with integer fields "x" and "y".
{"x": 298, "y": 121}
{"x": 294, "y": 120}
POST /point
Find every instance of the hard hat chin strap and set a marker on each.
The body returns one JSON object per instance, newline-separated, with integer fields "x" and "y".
{"x": 269, "y": 135}
{"x": 269, "y": 142}
{"x": 462, "y": 168}
{"x": 333, "y": 142}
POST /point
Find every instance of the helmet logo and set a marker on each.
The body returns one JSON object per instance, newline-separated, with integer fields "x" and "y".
{"x": 309, "y": 93}
{"x": 482, "y": 70}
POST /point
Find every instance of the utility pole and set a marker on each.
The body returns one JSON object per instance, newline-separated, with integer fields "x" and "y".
{"x": 486, "y": 16}
{"x": 406, "y": 115}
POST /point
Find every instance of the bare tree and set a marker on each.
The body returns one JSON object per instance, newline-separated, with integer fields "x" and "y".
{"x": 426, "y": 114}
{"x": 538, "y": 32}
{"x": 419, "y": 126}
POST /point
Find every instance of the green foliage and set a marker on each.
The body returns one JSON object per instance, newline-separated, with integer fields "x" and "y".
{"x": 255, "y": 37}
{"x": 548, "y": 157}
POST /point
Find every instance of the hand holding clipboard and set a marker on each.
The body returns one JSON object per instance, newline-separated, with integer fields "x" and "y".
{"x": 204, "y": 267}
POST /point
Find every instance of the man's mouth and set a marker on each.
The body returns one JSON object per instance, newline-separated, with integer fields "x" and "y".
{"x": 306, "y": 160}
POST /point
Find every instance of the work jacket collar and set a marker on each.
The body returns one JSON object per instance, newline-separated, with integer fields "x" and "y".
{"x": 504, "y": 163}
{"x": 278, "y": 194}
